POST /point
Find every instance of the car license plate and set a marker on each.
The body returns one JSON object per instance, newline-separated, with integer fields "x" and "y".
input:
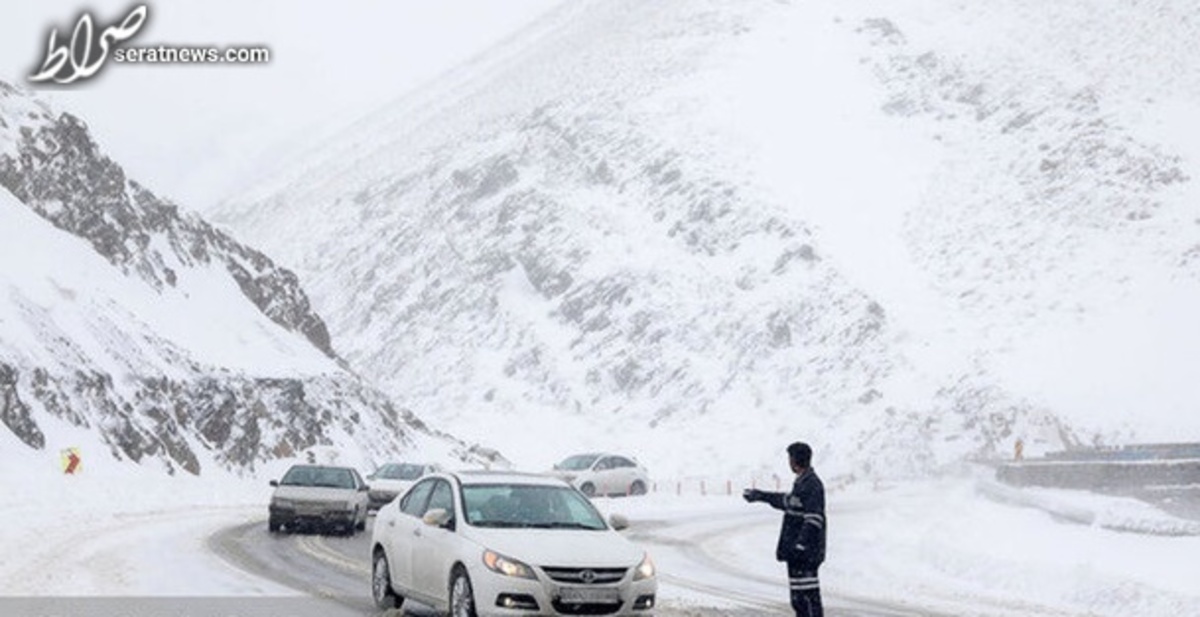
{"x": 588, "y": 595}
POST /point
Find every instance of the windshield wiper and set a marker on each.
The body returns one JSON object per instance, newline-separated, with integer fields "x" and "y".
{"x": 566, "y": 525}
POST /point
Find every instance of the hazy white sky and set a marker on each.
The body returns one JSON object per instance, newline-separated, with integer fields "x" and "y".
{"x": 194, "y": 132}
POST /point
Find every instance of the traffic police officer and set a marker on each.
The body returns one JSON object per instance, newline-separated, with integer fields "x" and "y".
{"x": 802, "y": 535}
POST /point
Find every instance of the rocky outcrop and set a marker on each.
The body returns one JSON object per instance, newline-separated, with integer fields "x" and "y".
{"x": 240, "y": 422}
{"x": 151, "y": 395}
{"x": 14, "y": 413}
{"x": 59, "y": 171}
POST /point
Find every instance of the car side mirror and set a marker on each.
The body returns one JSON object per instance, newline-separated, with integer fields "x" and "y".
{"x": 437, "y": 517}
{"x": 274, "y": 482}
{"x": 618, "y": 522}
{"x": 363, "y": 488}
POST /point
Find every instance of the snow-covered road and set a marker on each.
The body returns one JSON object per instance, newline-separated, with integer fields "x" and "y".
{"x": 693, "y": 581}
{"x": 958, "y": 546}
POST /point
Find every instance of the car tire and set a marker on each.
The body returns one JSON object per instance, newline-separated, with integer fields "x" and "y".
{"x": 462, "y": 597}
{"x": 381, "y": 583}
{"x": 587, "y": 488}
{"x": 637, "y": 488}
{"x": 274, "y": 526}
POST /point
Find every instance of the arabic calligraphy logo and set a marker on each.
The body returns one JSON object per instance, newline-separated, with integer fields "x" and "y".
{"x": 83, "y": 56}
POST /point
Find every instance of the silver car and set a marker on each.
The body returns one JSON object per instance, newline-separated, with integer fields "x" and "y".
{"x": 603, "y": 474}
{"x": 320, "y": 497}
{"x": 392, "y": 479}
{"x": 493, "y": 544}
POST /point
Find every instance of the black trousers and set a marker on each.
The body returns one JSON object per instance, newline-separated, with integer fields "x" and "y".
{"x": 806, "y": 591}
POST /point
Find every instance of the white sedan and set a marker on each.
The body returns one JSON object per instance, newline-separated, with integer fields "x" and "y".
{"x": 603, "y": 474}
{"x": 489, "y": 543}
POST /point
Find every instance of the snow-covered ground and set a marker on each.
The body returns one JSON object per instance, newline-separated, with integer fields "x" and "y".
{"x": 966, "y": 546}
{"x": 957, "y": 546}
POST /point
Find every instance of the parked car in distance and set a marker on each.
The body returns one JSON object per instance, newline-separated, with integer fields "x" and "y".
{"x": 319, "y": 496}
{"x": 392, "y": 479}
{"x": 500, "y": 543}
{"x": 603, "y": 474}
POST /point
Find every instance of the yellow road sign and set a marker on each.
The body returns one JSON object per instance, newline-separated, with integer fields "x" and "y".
{"x": 72, "y": 462}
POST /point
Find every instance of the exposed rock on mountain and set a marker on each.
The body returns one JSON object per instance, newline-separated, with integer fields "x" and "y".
{"x": 58, "y": 170}
{"x": 125, "y": 317}
{"x": 692, "y": 229}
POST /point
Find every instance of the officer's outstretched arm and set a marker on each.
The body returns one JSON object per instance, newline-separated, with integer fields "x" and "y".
{"x": 752, "y": 495}
{"x": 775, "y": 500}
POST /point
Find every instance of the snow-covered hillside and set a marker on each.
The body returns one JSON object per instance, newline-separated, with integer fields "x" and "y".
{"x": 908, "y": 232}
{"x": 136, "y": 331}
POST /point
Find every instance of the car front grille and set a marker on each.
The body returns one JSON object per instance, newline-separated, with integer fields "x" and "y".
{"x": 585, "y": 609}
{"x": 586, "y": 576}
{"x": 313, "y": 507}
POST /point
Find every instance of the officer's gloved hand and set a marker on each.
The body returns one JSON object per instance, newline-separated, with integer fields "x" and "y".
{"x": 752, "y": 495}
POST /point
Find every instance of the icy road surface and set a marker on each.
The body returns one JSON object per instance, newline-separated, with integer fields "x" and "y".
{"x": 962, "y": 546}
{"x": 692, "y": 581}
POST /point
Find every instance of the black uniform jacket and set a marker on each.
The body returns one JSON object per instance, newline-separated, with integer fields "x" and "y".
{"x": 802, "y": 535}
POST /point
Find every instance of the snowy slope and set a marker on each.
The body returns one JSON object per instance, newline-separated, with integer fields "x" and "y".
{"x": 140, "y": 333}
{"x": 907, "y": 232}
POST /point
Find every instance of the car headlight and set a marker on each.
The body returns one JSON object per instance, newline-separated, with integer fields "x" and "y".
{"x": 280, "y": 502}
{"x": 508, "y": 567}
{"x": 645, "y": 569}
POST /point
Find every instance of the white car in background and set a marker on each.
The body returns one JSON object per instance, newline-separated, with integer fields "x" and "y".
{"x": 392, "y": 479}
{"x": 479, "y": 543}
{"x": 603, "y": 474}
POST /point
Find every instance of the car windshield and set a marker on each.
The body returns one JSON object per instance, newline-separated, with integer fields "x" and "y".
{"x": 400, "y": 471}
{"x": 579, "y": 462}
{"x": 329, "y": 477}
{"x": 527, "y": 505}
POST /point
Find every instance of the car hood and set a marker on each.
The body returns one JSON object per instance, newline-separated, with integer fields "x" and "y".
{"x": 314, "y": 493}
{"x": 561, "y": 547}
{"x": 395, "y": 486}
{"x": 563, "y": 474}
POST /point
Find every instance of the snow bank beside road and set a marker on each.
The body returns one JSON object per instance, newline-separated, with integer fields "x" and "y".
{"x": 116, "y": 529}
{"x": 950, "y": 547}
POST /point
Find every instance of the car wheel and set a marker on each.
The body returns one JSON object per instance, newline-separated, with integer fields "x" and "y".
{"x": 273, "y": 525}
{"x": 462, "y": 597}
{"x": 588, "y": 489}
{"x": 381, "y": 583}
{"x": 637, "y": 488}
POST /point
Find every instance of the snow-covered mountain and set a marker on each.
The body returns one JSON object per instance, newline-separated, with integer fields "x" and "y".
{"x": 140, "y": 329}
{"x": 908, "y": 232}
